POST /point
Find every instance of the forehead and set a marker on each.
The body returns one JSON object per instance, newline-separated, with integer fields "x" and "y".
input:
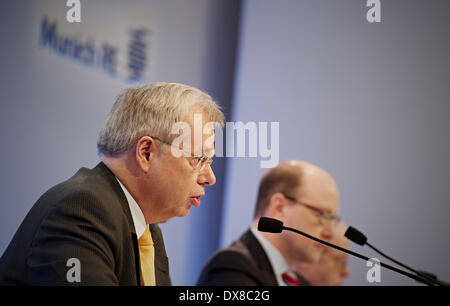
{"x": 201, "y": 129}
{"x": 318, "y": 189}
{"x": 196, "y": 115}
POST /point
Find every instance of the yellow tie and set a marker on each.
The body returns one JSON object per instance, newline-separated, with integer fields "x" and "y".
{"x": 147, "y": 257}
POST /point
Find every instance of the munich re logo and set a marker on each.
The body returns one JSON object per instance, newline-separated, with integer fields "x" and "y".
{"x": 129, "y": 63}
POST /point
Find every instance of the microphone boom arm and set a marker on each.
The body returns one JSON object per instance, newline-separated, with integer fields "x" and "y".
{"x": 415, "y": 277}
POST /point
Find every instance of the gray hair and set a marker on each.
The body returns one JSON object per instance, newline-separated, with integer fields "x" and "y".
{"x": 151, "y": 110}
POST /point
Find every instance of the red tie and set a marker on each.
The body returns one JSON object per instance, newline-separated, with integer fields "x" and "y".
{"x": 290, "y": 279}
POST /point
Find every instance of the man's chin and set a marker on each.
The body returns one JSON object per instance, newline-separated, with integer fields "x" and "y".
{"x": 185, "y": 211}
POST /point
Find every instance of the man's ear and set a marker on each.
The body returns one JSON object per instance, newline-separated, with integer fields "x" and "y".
{"x": 277, "y": 205}
{"x": 145, "y": 152}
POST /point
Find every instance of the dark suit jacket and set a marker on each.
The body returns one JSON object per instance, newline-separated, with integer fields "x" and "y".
{"x": 86, "y": 217}
{"x": 244, "y": 263}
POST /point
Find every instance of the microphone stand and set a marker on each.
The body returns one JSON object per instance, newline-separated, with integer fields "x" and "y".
{"x": 359, "y": 238}
{"x": 415, "y": 277}
{"x": 425, "y": 275}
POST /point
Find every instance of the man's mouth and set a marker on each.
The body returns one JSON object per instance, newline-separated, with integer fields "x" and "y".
{"x": 196, "y": 200}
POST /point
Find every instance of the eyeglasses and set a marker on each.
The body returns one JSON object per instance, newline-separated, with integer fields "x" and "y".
{"x": 325, "y": 217}
{"x": 197, "y": 162}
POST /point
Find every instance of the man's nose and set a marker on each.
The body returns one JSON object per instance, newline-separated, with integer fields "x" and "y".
{"x": 206, "y": 176}
{"x": 327, "y": 232}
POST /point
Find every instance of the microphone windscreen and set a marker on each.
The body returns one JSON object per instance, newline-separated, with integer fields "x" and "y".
{"x": 270, "y": 225}
{"x": 356, "y": 236}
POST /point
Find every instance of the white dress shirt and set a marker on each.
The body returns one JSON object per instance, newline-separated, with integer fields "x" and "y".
{"x": 279, "y": 264}
{"x": 136, "y": 213}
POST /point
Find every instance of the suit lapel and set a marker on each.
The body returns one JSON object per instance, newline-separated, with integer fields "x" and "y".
{"x": 126, "y": 208}
{"x": 263, "y": 262}
{"x": 261, "y": 259}
{"x": 161, "y": 261}
{"x": 137, "y": 261}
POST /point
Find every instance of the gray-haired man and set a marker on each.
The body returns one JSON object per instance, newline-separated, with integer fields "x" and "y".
{"x": 102, "y": 220}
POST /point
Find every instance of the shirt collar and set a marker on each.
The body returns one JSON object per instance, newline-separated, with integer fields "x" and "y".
{"x": 279, "y": 264}
{"x": 136, "y": 213}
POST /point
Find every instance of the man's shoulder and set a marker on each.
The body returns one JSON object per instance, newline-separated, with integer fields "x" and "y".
{"x": 233, "y": 265}
{"x": 236, "y": 256}
{"x": 95, "y": 184}
{"x": 83, "y": 215}
{"x": 96, "y": 180}
{"x": 89, "y": 194}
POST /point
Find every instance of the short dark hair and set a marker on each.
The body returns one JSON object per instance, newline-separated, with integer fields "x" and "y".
{"x": 282, "y": 179}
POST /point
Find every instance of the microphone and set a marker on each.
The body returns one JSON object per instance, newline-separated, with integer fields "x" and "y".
{"x": 271, "y": 225}
{"x": 356, "y": 236}
{"x": 359, "y": 238}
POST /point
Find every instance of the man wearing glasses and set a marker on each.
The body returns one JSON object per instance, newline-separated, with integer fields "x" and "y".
{"x": 99, "y": 226}
{"x": 304, "y": 197}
